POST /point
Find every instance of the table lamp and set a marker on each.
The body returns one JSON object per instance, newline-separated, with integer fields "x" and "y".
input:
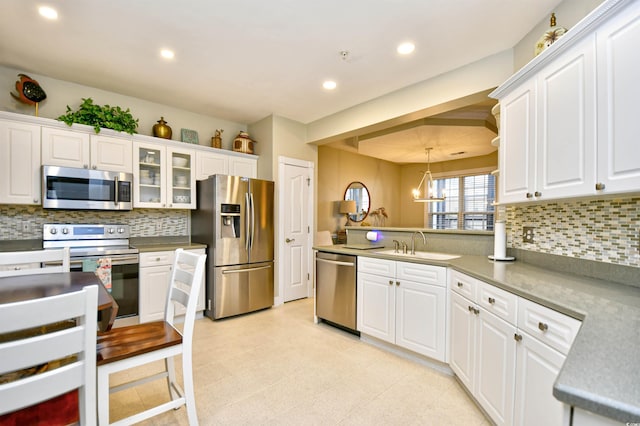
{"x": 348, "y": 207}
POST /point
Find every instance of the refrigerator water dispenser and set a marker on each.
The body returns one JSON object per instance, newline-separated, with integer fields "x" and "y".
{"x": 230, "y": 217}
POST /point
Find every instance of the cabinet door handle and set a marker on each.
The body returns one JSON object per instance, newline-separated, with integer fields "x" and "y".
{"x": 529, "y": 195}
{"x": 492, "y": 300}
{"x": 397, "y": 282}
{"x": 537, "y": 194}
{"x": 543, "y": 327}
{"x": 476, "y": 311}
{"x": 460, "y": 284}
{"x": 517, "y": 337}
{"x": 471, "y": 308}
{"x": 390, "y": 282}
{"x": 600, "y": 186}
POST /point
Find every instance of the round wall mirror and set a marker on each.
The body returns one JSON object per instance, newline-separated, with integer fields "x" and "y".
{"x": 356, "y": 191}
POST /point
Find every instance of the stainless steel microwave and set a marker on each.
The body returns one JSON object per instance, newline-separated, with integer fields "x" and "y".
{"x": 86, "y": 189}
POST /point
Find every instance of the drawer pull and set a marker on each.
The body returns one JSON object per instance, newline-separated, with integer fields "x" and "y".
{"x": 492, "y": 300}
{"x": 471, "y": 309}
{"x": 600, "y": 186}
{"x": 537, "y": 194}
{"x": 542, "y": 326}
{"x": 397, "y": 282}
{"x": 460, "y": 284}
{"x": 529, "y": 195}
{"x": 476, "y": 311}
{"x": 517, "y": 337}
{"x": 157, "y": 259}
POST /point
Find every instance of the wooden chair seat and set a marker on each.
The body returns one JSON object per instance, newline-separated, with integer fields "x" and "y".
{"x": 125, "y": 342}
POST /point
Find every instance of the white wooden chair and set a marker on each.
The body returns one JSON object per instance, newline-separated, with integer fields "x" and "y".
{"x": 127, "y": 347}
{"x": 34, "y": 262}
{"x": 25, "y": 353}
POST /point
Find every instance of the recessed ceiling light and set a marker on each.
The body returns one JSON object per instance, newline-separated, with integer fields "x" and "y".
{"x": 458, "y": 153}
{"x": 48, "y": 12}
{"x": 167, "y": 54}
{"x": 406, "y": 48}
{"x": 329, "y": 85}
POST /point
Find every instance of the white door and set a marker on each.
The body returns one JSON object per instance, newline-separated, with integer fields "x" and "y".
{"x": 295, "y": 231}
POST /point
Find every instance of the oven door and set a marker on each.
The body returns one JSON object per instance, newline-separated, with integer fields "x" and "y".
{"x": 124, "y": 281}
{"x": 70, "y": 188}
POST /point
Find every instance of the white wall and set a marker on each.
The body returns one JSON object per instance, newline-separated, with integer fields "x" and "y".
{"x": 62, "y": 93}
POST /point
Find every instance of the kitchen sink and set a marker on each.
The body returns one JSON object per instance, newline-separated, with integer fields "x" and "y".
{"x": 427, "y": 255}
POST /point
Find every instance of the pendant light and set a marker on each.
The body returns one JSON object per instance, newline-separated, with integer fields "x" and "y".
{"x": 427, "y": 194}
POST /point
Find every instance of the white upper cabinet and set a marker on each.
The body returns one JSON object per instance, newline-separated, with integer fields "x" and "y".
{"x": 68, "y": 148}
{"x": 240, "y": 166}
{"x": 568, "y": 123}
{"x": 618, "y": 94}
{"x": 566, "y": 126}
{"x": 19, "y": 163}
{"x": 211, "y": 163}
{"x": 163, "y": 177}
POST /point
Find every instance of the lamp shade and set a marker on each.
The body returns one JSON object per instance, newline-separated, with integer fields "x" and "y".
{"x": 348, "y": 206}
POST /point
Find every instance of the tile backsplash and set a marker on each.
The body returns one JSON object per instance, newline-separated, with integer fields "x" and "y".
{"x": 601, "y": 230}
{"x": 25, "y": 222}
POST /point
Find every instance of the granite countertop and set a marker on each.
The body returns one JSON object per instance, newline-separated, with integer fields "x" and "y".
{"x": 602, "y": 370}
{"x": 148, "y": 244}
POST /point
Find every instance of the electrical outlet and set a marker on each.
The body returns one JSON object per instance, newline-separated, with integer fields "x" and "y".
{"x": 25, "y": 226}
{"x": 527, "y": 234}
{"x": 159, "y": 226}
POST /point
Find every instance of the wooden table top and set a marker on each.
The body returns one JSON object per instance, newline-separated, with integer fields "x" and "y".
{"x": 29, "y": 287}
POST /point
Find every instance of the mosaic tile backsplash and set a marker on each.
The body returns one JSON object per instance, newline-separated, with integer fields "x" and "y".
{"x": 600, "y": 230}
{"x": 25, "y": 222}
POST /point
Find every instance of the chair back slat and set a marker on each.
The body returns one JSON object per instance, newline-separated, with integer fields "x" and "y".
{"x": 80, "y": 339}
{"x": 36, "y": 350}
{"x": 57, "y": 308}
{"x": 35, "y": 262}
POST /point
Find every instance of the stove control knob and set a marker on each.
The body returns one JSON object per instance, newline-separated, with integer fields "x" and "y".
{"x": 53, "y": 231}
{"x": 111, "y": 230}
{"x": 121, "y": 230}
{"x": 65, "y": 231}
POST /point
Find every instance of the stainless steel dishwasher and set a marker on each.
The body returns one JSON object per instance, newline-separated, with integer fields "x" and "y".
{"x": 336, "y": 289}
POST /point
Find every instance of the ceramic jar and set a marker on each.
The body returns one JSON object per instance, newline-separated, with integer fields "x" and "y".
{"x": 161, "y": 130}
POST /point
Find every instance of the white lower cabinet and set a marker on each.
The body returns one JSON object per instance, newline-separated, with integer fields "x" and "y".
{"x": 154, "y": 277}
{"x": 404, "y": 304}
{"x": 507, "y": 351}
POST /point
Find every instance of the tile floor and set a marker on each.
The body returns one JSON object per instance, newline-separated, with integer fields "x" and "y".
{"x": 276, "y": 367}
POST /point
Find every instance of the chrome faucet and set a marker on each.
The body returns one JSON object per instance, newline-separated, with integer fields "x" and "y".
{"x": 396, "y": 246}
{"x": 413, "y": 241}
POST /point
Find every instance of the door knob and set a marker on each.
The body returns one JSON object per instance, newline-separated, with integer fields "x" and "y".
{"x": 289, "y": 240}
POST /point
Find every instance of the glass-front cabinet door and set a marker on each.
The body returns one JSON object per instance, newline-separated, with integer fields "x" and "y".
{"x": 182, "y": 178}
{"x": 149, "y": 175}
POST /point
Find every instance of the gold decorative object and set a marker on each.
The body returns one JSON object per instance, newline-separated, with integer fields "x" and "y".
{"x": 216, "y": 140}
{"x": 550, "y": 36}
{"x": 243, "y": 143}
{"x": 161, "y": 130}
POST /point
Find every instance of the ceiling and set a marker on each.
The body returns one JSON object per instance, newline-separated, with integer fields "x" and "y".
{"x": 452, "y": 135}
{"x": 242, "y": 60}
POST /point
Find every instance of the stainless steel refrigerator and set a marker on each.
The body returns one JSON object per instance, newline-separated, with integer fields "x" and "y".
{"x": 234, "y": 217}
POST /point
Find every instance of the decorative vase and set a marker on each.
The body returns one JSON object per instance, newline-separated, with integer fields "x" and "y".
{"x": 161, "y": 130}
{"x": 243, "y": 143}
{"x": 216, "y": 140}
{"x": 550, "y": 36}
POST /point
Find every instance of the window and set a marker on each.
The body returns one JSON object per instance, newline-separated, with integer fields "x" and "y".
{"x": 468, "y": 204}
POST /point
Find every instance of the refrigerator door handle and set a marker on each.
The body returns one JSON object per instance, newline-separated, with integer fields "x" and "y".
{"x": 247, "y": 220}
{"x": 253, "y": 219}
{"x": 239, "y": 271}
